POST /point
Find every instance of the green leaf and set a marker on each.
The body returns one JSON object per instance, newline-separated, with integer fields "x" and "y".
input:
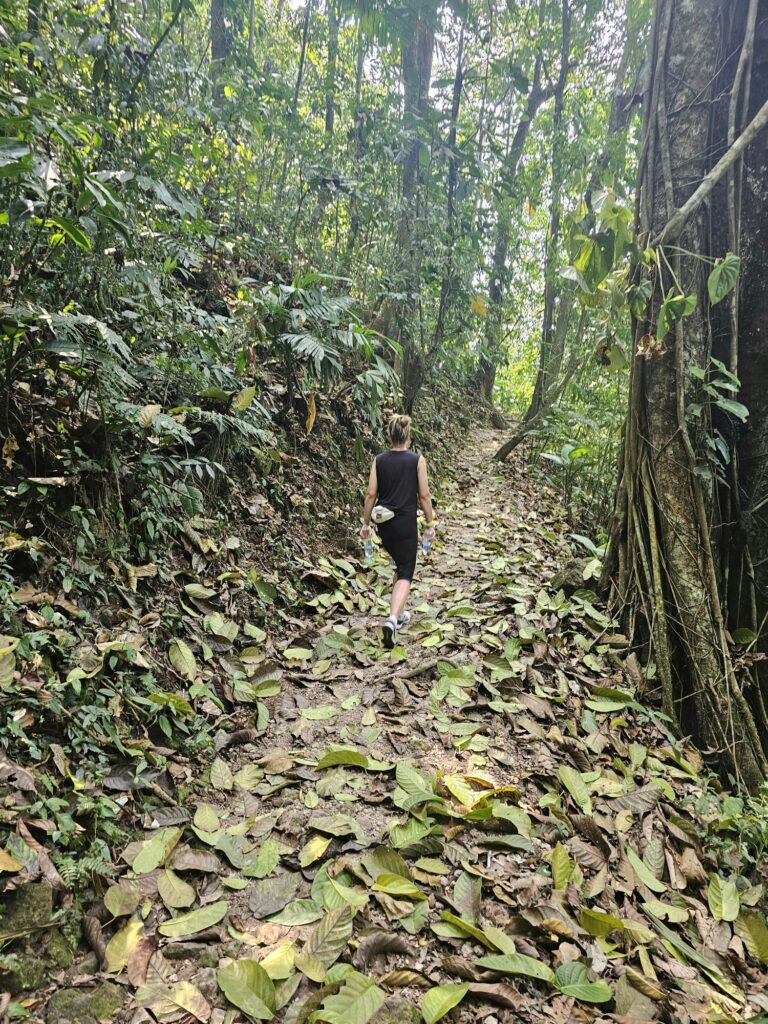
{"x": 157, "y": 850}
{"x": 174, "y": 891}
{"x": 358, "y": 1000}
{"x": 383, "y": 860}
{"x": 723, "y": 278}
{"x": 182, "y": 659}
{"x": 597, "y": 924}
{"x": 396, "y": 885}
{"x": 297, "y": 653}
{"x": 243, "y": 399}
{"x": 467, "y": 896}
{"x": 737, "y": 409}
{"x": 644, "y": 873}
{"x": 411, "y": 833}
{"x": 744, "y": 636}
{"x": 574, "y": 783}
{"x": 71, "y": 230}
{"x": 299, "y": 912}
{"x": 723, "y": 898}
{"x": 752, "y": 929}
{"x": 122, "y": 944}
{"x": 323, "y": 713}
{"x": 247, "y": 986}
{"x": 518, "y": 963}
{"x": 562, "y": 867}
{"x": 457, "y": 925}
{"x": 329, "y": 940}
{"x": 12, "y": 150}
{"x": 195, "y": 921}
{"x": 345, "y": 755}
{"x": 572, "y": 980}
{"x": 266, "y": 861}
{"x": 196, "y": 590}
{"x": 440, "y": 1000}
{"x": 123, "y": 898}
{"x": 221, "y": 775}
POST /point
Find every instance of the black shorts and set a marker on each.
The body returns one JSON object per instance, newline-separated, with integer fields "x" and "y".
{"x": 400, "y": 537}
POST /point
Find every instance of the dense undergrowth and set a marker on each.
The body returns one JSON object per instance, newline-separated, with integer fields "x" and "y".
{"x": 173, "y": 397}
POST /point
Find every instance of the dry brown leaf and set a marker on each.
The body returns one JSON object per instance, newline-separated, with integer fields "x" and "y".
{"x": 378, "y": 942}
{"x": 404, "y": 978}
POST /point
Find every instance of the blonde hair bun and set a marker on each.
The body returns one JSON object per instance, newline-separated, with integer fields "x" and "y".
{"x": 399, "y": 429}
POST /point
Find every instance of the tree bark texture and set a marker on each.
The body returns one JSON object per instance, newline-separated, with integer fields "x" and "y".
{"x": 397, "y": 319}
{"x": 668, "y": 561}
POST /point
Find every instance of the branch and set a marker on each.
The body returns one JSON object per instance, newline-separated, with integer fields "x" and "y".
{"x": 163, "y": 36}
{"x": 679, "y": 219}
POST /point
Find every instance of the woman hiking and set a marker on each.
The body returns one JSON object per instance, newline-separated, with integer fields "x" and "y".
{"x": 398, "y": 482}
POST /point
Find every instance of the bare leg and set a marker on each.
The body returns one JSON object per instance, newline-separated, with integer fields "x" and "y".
{"x": 399, "y": 597}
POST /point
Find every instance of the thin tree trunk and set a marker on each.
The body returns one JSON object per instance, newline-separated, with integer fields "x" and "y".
{"x": 297, "y": 87}
{"x": 330, "y": 71}
{"x": 358, "y": 139}
{"x": 448, "y": 269}
{"x": 555, "y": 215}
{"x": 499, "y": 274}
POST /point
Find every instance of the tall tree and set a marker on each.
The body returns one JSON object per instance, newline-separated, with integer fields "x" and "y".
{"x": 669, "y": 553}
{"x": 551, "y": 259}
{"x": 499, "y": 276}
{"x": 398, "y": 315}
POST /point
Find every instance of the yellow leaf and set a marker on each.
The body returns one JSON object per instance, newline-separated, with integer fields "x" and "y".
{"x": 7, "y": 862}
{"x": 147, "y": 414}
{"x": 279, "y": 963}
{"x": 479, "y": 306}
{"x": 311, "y": 413}
{"x": 243, "y": 399}
{"x": 313, "y": 850}
{"x": 122, "y": 944}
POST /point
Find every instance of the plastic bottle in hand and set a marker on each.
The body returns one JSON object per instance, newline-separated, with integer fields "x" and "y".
{"x": 368, "y": 549}
{"x": 426, "y": 544}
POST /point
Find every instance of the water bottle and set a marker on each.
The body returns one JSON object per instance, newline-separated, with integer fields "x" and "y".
{"x": 368, "y": 548}
{"x": 426, "y": 544}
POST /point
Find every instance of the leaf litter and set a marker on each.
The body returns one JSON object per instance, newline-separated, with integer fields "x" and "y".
{"x": 486, "y": 821}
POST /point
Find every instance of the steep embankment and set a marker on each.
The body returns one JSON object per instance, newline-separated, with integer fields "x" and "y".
{"x": 488, "y": 817}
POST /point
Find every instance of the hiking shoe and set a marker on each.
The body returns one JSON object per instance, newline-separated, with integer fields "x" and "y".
{"x": 404, "y": 619}
{"x": 389, "y": 633}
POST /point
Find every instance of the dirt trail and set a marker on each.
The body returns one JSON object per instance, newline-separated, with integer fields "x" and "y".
{"x": 483, "y": 817}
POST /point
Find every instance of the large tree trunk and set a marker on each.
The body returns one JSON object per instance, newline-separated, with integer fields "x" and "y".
{"x": 667, "y": 562}
{"x": 398, "y": 317}
{"x": 219, "y": 34}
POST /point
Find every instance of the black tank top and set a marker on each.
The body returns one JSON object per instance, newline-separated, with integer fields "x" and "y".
{"x": 397, "y": 476}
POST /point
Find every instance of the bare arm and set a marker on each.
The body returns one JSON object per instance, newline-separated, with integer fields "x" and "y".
{"x": 425, "y": 498}
{"x": 371, "y": 494}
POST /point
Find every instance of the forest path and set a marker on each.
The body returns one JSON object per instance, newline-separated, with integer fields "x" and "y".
{"x": 444, "y": 825}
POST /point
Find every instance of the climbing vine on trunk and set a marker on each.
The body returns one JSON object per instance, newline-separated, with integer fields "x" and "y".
{"x": 679, "y": 490}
